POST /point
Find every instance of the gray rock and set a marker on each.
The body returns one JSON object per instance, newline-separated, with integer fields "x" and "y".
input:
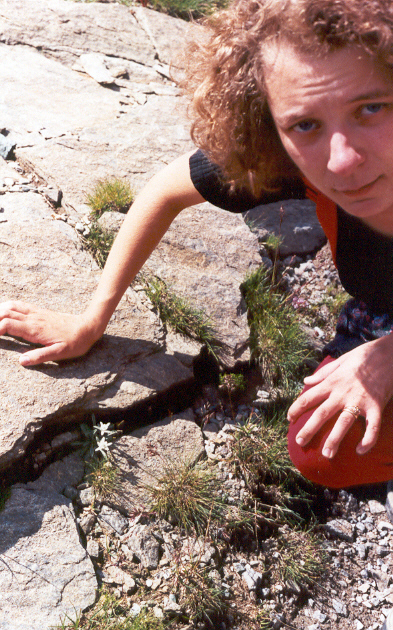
{"x": 340, "y": 528}
{"x": 115, "y": 575}
{"x": 45, "y": 573}
{"x": 144, "y": 546}
{"x": 297, "y": 225}
{"x": 93, "y": 549}
{"x": 252, "y": 578}
{"x": 94, "y": 65}
{"x": 375, "y": 507}
{"x": 86, "y": 496}
{"x": 87, "y": 522}
{"x": 6, "y": 146}
{"x": 340, "y": 607}
{"x": 140, "y": 457}
{"x": 112, "y": 521}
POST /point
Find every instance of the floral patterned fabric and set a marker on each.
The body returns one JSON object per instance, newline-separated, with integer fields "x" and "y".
{"x": 357, "y": 324}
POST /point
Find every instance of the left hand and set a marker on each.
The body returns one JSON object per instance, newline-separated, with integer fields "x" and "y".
{"x": 362, "y": 377}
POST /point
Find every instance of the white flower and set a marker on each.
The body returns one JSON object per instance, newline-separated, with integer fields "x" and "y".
{"x": 103, "y": 446}
{"x": 103, "y": 428}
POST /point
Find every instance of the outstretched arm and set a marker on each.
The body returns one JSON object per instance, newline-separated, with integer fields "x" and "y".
{"x": 65, "y": 336}
{"x": 361, "y": 378}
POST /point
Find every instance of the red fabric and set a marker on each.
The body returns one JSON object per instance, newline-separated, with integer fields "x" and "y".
{"x": 326, "y": 213}
{"x": 347, "y": 468}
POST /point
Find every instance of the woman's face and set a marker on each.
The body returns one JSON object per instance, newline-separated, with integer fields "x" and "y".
{"x": 335, "y": 119}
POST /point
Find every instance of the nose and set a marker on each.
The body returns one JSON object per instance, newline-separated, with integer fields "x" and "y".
{"x": 343, "y": 157}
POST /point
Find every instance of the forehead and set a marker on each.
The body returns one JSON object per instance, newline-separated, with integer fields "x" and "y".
{"x": 296, "y": 80}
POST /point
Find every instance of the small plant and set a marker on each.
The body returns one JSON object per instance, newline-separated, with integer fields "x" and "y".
{"x": 187, "y": 493}
{"x": 177, "y": 313}
{"x": 277, "y": 340}
{"x": 264, "y": 619}
{"x": 231, "y": 384}
{"x": 198, "y": 594}
{"x": 104, "y": 477}
{"x": 260, "y": 449}
{"x": 300, "y": 558}
{"x": 110, "y": 194}
{"x": 99, "y": 242}
{"x": 111, "y": 613}
{"x": 98, "y": 439}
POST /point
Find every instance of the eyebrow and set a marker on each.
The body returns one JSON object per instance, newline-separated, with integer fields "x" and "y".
{"x": 370, "y": 96}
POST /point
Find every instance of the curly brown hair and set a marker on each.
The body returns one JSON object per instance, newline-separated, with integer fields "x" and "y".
{"x": 225, "y": 75}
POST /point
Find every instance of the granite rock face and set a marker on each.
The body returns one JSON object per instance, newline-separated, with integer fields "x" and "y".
{"x": 85, "y": 131}
{"x": 45, "y": 574}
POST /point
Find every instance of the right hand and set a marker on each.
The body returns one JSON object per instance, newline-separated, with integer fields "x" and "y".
{"x": 63, "y": 336}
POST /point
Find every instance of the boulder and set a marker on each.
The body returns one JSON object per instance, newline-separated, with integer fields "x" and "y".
{"x": 45, "y": 573}
{"x": 143, "y": 455}
{"x": 294, "y": 221}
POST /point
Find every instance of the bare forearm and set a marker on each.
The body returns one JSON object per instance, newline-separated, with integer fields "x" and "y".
{"x": 147, "y": 221}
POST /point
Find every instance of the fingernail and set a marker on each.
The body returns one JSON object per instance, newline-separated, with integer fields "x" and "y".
{"x": 327, "y": 452}
{"x": 300, "y": 441}
{"x": 24, "y": 361}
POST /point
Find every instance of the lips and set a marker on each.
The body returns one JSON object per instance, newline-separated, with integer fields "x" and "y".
{"x": 355, "y": 192}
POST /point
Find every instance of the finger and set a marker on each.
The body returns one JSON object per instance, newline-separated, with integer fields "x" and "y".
{"x": 15, "y": 307}
{"x": 306, "y": 401}
{"x": 373, "y": 426}
{"x": 318, "y": 418}
{"x": 322, "y": 373}
{"x": 54, "y": 352}
{"x": 15, "y": 328}
{"x": 337, "y": 434}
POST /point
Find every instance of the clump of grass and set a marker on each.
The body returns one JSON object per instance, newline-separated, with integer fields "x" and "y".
{"x": 260, "y": 449}
{"x": 104, "y": 477}
{"x": 300, "y": 558}
{"x": 110, "y": 194}
{"x": 201, "y": 598}
{"x": 99, "y": 242}
{"x": 177, "y": 313}
{"x": 187, "y": 493}
{"x": 277, "y": 340}
{"x": 111, "y": 613}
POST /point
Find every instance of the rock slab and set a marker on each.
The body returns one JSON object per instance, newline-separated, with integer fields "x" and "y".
{"x": 45, "y": 573}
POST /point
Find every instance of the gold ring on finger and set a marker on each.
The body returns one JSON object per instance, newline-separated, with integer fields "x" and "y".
{"x": 354, "y": 410}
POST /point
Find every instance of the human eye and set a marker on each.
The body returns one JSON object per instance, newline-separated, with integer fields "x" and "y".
{"x": 372, "y": 108}
{"x": 305, "y": 126}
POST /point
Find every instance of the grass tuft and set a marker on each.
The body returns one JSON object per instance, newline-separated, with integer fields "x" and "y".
{"x": 260, "y": 449}
{"x": 300, "y": 558}
{"x": 111, "y": 613}
{"x": 110, "y": 194}
{"x": 277, "y": 340}
{"x": 187, "y": 492}
{"x": 198, "y": 594}
{"x": 99, "y": 242}
{"x": 177, "y": 313}
{"x": 104, "y": 477}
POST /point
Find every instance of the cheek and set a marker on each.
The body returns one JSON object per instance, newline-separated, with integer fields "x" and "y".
{"x": 302, "y": 156}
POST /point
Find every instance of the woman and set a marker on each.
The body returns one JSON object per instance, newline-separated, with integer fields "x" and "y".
{"x": 290, "y": 97}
